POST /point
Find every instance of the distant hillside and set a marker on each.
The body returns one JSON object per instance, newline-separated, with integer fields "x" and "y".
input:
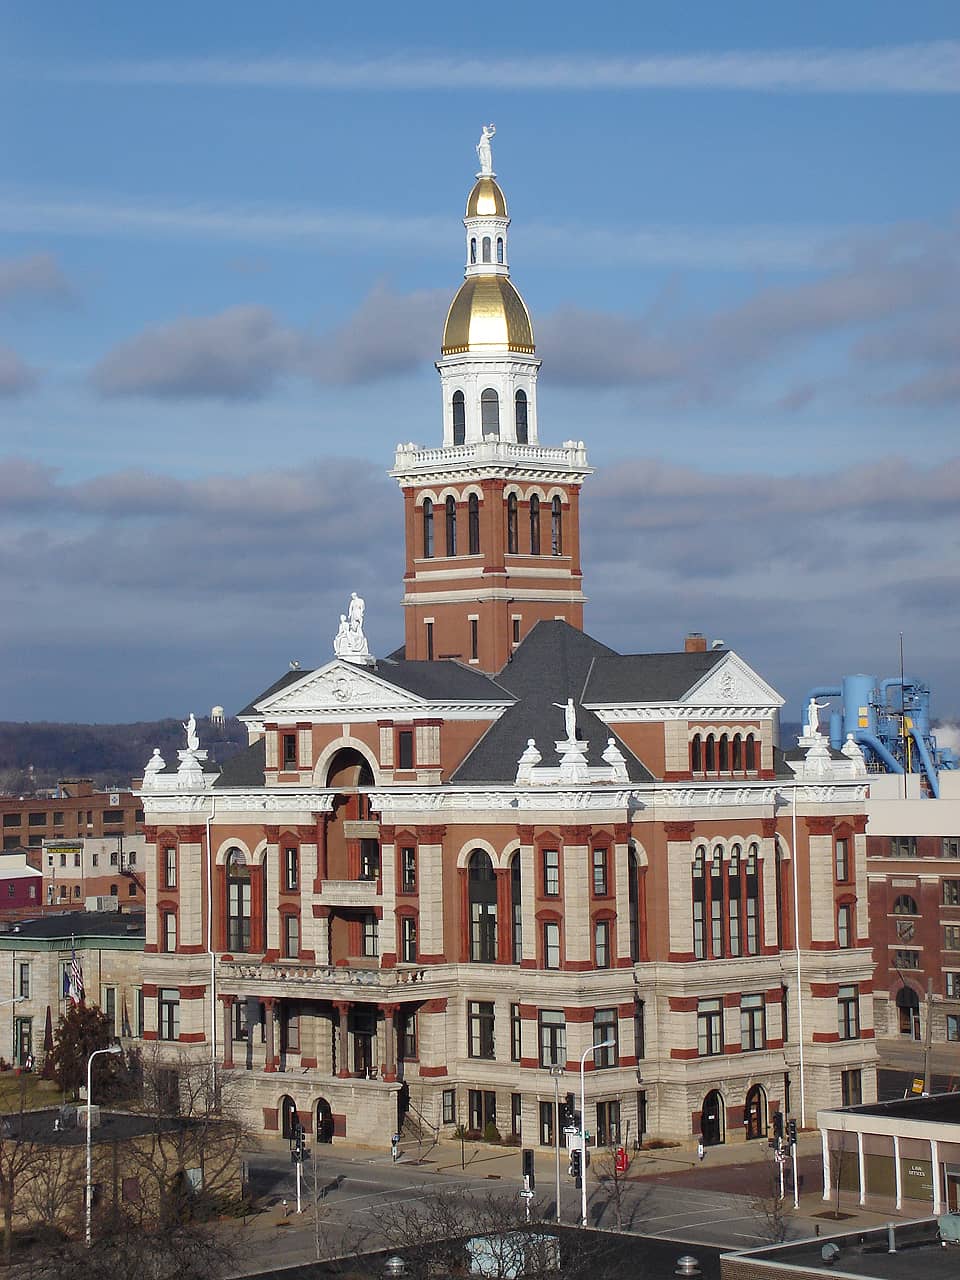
{"x": 35, "y": 756}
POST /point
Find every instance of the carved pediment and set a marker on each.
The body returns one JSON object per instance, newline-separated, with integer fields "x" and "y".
{"x": 339, "y": 689}
{"x": 732, "y": 683}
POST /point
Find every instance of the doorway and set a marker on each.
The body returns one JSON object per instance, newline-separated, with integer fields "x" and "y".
{"x": 324, "y": 1121}
{"x": 289, "y": 1120}
{"x": 712, "y": 1119}
{"x": 908, "y": 1012}
{"x": 755, "y": 1113}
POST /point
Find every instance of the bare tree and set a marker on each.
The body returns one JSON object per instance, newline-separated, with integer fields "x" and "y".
{"x": 22, "y": 1157}
{"x": 770, "y": 1208}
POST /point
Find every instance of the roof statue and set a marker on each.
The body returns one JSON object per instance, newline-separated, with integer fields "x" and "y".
{"x": 569, "y": 718}
{"x": 485, "y": 152}
{"x": 350, "y": 643}
{"x": 193, "y": 738}
{"x": 813, "y": 717}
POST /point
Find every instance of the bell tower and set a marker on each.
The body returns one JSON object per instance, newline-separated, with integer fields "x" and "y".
{"x": 491, "y": 516}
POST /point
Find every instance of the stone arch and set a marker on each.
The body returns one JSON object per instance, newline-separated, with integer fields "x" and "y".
{"x": 463, "y": 857}
{"x": 423, "y": 495}
{"x": 225, "y": 846}
{"x": 329, "y": 752}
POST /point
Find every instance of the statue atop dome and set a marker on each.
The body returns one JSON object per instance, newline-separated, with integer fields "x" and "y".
{"x": 485, "y": 152}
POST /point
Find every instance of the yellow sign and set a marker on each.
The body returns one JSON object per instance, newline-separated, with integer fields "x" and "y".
{"x": 917, "y": 1084}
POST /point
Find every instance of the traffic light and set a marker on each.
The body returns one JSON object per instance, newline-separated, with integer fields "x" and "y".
{"x": 778, "y": 1124}
{"x": 529, "y": 1173}
{"x": 575, "y": 1171}
{"x": 297, "y": 1145}
{"x": 567, "y": 1109}
{"x": 792, "y": 1132}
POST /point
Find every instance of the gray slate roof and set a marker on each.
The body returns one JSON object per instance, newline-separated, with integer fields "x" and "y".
{"x": 87, "y": 924}
{"x": 551, "y": 665}
{"x": 246, "y": 768}
{"x": 647, "y": 677}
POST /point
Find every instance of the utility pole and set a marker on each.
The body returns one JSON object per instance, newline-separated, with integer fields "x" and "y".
{"x": 927, "y": 1037}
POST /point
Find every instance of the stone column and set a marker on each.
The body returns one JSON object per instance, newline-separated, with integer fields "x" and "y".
{"x": 227, "y": 1030}
{"x": 343, "y": 1010}
{"x": 389, "y": 1012}
{"x": 271, "y": 1057}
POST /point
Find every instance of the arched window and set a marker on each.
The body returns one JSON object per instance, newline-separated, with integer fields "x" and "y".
{"x": 751, "y": 895}
{"x": 737, "y": 753}
{"x": 459, "y": 418}
{"x": 710, "y": 763}
{"x": 473, "y": 250}
{"x": 534, "y": 525}
{"x": 750, "y": 753}
{"x": 556, "y": 527}
{"x": 905, "y": 906}
{"x": 516, "y": 927}
{"x": 699, "y": 903}
{"x": 724, "y": 753}
{"x": 482, "y": 892}
{"x": 490, "y": 413}
{"x": 520, "y": 406}
{"x": 500, "y": 249}
{"x": 734, "y": 909}
{"x": 451, "y": 525}
{"x": 633, "y": 890}
{"x": 512, "y": 537}
{"x": 717, "y": 948}
{"x": 427, "y": 528}
{"x": 238, "y": 902}
{"x": 485, "y": 252}
{"x": 473, "y": 524}
{"x": 696, "y": 754}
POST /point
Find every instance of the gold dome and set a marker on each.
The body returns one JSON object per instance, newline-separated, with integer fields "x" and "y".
{"x": 487, "y": 312}
{"x": 486, "y": 200}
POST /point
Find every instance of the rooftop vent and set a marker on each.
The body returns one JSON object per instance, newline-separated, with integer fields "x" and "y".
{"x": 687, "y": 1265}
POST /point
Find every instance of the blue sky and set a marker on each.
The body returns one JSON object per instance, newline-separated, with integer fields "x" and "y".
{"x": 228, "y": 234}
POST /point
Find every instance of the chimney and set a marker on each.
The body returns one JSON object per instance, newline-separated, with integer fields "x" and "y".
{"x": 695, "y": 642}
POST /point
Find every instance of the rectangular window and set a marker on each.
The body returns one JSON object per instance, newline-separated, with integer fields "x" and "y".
{"x": 23, "y": 984}
{"x": 76, "y": 859}
{"x": 115, "y": 816}
{"x": 94, "y": 857}
{"x": 951, "y": 937}
{"x": 138, "y": 1011}
{"x": 551, "y": 872}
{"x": 516, "y": 630}
{"x": 169, "y": 931}
{"x": 600, "y": 884}
{"x": 709, "y": 1028}
{"x": 906, "y": 959}
{"x": 752, "y": 1020}
{"x": 474, "y": 638}
{"x": 604, "y": 1031}
{"x": 37, "y": 819}
{"x": 516, "y": 1114}
{"x": 408, "y": 939}
{"x": 291, "y": 935}
{"x": 553, "y": 1038}
{"x": 63, "y": 859}
{"x": 449, "y": 1106}
{"x": 132, "y": 858}
{"x": 481, "y": 1108}
{"x": 951, "y": 893}
{"x": 848, "y": 1013}
{"x": 951, "y": 985}
{"x": 13, "y": 842}
{"x": 168, "y": 1013}
{"x": 903, "y": 846}
{"x": 368, "y": 936}
{"x": 480, "y": 1042}
{"x": 601, "y": 944}
{"x": 405, "y": 749}
{"x": 109, "y": 1007}
{"x": 11, "y": 889}
{"x": 289, "y": 749}
{"x": 639, "y": 1030}
{"x": 608, "y": 1124}
{"x": 844, "y": 926}
{"x": 12, "y": 819}
{"x": 407, "y": 1037}
{"x": 291, "y": 1032}
{"x": 851, "y": 1088}
{"x": 291, "y": 869}
{"x": 58, "y": 817}
{"x": 551, "y": 945}
{"x": 429, "y": 628}
{"x": 953, "y": 1026}
{"x": 408, "y": 870}
{"x": 546, "y": 1123}
{"x": 170, "y": 867}
{"x": 240, "y": 1019}
{"x": 115, "y": 858}
{"x": 950, "y": 847}
{"x": 369, "y": 859}
{"x": 516, "y": 1033}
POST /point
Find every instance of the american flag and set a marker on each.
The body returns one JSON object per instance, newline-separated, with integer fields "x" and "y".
{"x": 75, "y": 982}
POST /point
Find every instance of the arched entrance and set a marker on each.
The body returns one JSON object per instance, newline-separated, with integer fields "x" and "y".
{"x": 712, "y": 1119}
{"x": 755, "y": 1112}
{"x": 288, "y": 1116}
{"x": 324, "y": 1125}
{"x": 908, "y": 1012}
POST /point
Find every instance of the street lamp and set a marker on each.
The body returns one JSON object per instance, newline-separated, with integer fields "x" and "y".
{"x": 114, "y": 1048}
{"x": 606, "y": 1044}
{"x": 557, "y": 1071}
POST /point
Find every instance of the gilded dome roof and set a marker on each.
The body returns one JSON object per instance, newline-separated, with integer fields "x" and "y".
{"x": 487, "y": 312}
{"x": 486, "y": 200}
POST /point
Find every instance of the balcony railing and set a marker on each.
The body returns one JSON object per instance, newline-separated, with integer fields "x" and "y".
{"x": 294, "y": 971}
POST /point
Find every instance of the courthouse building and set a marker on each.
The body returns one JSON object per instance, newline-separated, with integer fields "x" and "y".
{"x": 435, "y": 875}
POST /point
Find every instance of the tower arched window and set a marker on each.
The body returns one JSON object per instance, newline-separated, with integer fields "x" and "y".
{"x": 427, "y": 528}
{"x": 534, "y": 525}
{"x": 451, "y": 525}
{"x": 512, "y": 538}
{"x": 459, "y": 418}
{"x": 737, "y": 753}
{"x": 696, "y": 754}
{"x": 717, "y": 948}
{"x": 633, "y": 892}
{"x": 710, "y": 761}
{"x": 473, "y": 524}
{"x": 724, "y": 753}
{"x": 490, "y": 412}
{"x": 699, "y": 876}
{"x": 500, "y": 249}
{"x": 556, "y": 527}
{"x": 750, "y": 753}
{"x": 473, "y": 250}
{"x": 485, "y": 249}
{"x": 516, "y": 926}
{"x": 520, "y": 408}
{"x": 482, "y": 894}
{"x": 238, "y": 902}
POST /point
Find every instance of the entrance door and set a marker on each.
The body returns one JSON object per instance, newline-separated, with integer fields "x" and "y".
{"x": 324, "y": 1121}
{"x": 711, "y": 1119}
{"x": 23, "y": 1040}
{"x": 953, "y": 1191}
{"x": 908, "y": 1012}
{"x": 755, "y": 1113}
{"x": 288, "y": 1117}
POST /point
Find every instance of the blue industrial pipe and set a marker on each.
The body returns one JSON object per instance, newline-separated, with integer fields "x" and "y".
{"x": 905, "y": 683}
{"x": 927, "y": 763}
{"x": 868, "y": 740}
{"x": 821, "y": 691}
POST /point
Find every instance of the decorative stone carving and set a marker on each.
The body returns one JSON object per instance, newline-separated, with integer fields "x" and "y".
{"x": 614, "y": 757}
{"x": 528, "y": 761}
{"x": 851, "y": 749}
{"x": 155, "y": 766}
{"x": 350, "y": 643}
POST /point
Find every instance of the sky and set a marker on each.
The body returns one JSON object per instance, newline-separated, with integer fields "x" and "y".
{"x": 228, "y": 237}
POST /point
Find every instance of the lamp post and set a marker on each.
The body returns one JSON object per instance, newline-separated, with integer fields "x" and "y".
{"x": 607, "y": 1044}
{"x": 557, "y": 1071}
{"x": 114, "y": 1048}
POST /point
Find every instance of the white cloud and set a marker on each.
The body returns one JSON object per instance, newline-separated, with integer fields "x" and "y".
{"x": 37, "y": 275}
{"x": 15, "y": 375}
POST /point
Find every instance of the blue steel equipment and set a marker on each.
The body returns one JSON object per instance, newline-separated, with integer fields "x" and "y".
{"x": 890, "y": 719}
